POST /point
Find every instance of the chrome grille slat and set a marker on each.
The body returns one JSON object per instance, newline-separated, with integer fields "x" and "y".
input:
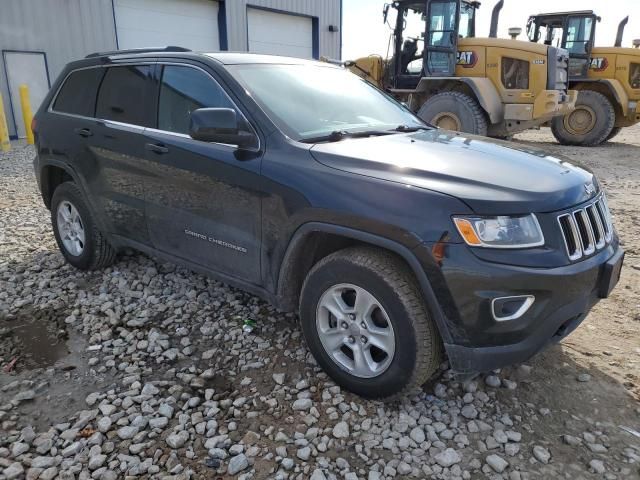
{"x": 586, "y": 230}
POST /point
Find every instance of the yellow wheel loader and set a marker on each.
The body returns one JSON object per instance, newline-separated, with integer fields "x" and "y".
{"x": 451, "y": 79}
{"x": 607, "y": 78}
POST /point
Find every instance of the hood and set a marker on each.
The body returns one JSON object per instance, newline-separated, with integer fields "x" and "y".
{"x": 491, "y": 177}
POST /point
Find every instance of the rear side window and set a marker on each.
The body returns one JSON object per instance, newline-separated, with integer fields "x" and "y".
{"x": 78, "y": 94}
{"x": 183, "y": 90}
{"x": 122, "y": 95}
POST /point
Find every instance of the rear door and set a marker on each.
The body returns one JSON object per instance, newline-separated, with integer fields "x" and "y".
{"x": 117, "y": 146}
{"x": 203, "y": 199}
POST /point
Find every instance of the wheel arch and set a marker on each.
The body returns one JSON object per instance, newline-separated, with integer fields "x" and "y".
{"x": 482, "y": 89}
{"x": 53, "y": 174}
{"x": 313, "y": 241}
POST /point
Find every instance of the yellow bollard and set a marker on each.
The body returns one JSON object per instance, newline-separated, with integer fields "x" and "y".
{"x": 5, "y": 144}
{"x": 27, "y": 116}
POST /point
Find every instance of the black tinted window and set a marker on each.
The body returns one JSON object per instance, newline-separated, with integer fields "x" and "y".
{"x": 78, "y": 94}
{"x": 183, "y": 90}
{"x": 122, "y": 95}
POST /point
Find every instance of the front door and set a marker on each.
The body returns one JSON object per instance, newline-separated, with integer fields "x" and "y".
{"x": 203, "y": 199}
{"x": 441, "y": 43}
{"x": 578, "y": 37}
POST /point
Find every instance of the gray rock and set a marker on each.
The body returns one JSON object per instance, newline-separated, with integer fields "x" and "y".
{"x": 104, "y": 424}
{"x": 278, "y": 378}
{"x": 72, "y": 449}
{"x": 541, "y": 454}
{"x": 48, "y": 474}
{"x": 150, "y": 389}
{"x": 96, "y": 461}
{"x": 287, "y": 463}
{"x": 583, "y": 377}
{"x": 237, "y": 464}
{"x": 24, "y": 396}
{"x": 448, "y": 458}
{"x": 165, "y": 410}
{"x": 417, "y": 435}
{"x": 127, "y": 433}
{"x": 43, "y": 462}
{"x": 492, "y": 381}
{"x": 177, "y": 440}
{"x": 13, "y": 471}
{"x": 18, "y": 449}
{"x": 160, "y": 422}
{"x": 341, "y": 430}
{"x": 571, "y": 440}
{"x": 497, "y": 463}
{"x": 318, "y": 475}
{"x": 304, "y": 453}
{"x": 469, "y": 411}
{"x": 302, "y": 404}
{"x": 597, "y": 466}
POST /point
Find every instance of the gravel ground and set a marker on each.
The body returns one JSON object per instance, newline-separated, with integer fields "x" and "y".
{"x": 143, "y": 370}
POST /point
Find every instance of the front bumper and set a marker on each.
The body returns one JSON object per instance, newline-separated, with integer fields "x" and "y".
{"x": 476, "y": 341}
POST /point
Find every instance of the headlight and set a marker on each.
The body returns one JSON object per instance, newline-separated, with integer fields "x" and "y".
{"x": 501, "y": 231}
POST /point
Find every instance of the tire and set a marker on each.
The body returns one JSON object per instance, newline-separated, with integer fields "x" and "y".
{"x": 589, "y": 125}
{"x": 454, "y": 111}
{"x": 416, "y": 342}
{"x": 83, "y": 245}
{"x": 614, "y": 132}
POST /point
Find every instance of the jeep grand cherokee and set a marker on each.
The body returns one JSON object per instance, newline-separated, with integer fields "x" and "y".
{"x": 303, "y": 184}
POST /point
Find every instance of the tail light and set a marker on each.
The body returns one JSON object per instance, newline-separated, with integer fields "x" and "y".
{"x": 34, "y": 124}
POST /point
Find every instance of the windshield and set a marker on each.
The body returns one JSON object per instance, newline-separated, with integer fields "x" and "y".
{"x": 310, "y": 101}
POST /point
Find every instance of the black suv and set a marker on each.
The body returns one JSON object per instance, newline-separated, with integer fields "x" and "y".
{"x": 301, "y": 183}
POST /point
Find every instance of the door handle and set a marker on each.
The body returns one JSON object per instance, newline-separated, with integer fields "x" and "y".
{"x": 83, "y": 132}
{"x": 156, "y": 148}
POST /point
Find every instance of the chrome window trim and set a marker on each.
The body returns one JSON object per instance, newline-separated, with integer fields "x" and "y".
{"x": 150, "y": 129}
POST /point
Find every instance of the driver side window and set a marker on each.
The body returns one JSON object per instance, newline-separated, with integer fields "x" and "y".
{"x": 183, "y": 90}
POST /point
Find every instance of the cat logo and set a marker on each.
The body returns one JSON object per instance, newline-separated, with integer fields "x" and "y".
{"x": 599, "y": 64}
{"x": 467, "y": 59}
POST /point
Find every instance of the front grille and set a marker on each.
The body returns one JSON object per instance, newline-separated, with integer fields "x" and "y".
{"x": 586, "y": 230}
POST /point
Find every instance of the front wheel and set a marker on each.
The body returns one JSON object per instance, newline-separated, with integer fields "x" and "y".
{"x": 454, "y": 111}
{"x": 589, "y": 125}
{"x": 366, "y": 323}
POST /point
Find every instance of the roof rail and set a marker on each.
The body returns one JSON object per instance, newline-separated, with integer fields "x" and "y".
{"x": 170, "y": 48}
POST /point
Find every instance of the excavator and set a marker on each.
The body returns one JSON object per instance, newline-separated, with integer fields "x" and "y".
{"x": 607, "y": 79}
{"x": 457, "y": 81}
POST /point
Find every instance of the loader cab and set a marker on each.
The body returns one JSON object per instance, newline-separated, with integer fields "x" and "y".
{"x": 426, "y": 37}
{"x": 573, "y": 31}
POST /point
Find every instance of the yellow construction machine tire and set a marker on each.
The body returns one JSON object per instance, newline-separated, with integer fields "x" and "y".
{"x": 589, "y": 125}
{"x": 454, "y": 111}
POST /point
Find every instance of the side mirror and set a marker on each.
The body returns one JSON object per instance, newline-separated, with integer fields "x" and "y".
{"x": 219, "y": 125}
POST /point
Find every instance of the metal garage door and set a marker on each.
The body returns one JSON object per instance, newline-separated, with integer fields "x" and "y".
{"x": 279, "y": 33}
{"x": 153, "y": 23}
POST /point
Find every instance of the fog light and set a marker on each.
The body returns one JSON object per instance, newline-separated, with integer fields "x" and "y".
{"x": 510, "y": 308}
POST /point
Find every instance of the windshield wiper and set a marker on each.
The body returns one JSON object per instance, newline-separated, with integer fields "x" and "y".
{"x": 411, "y": 128}
{"x": 338, "y": 135}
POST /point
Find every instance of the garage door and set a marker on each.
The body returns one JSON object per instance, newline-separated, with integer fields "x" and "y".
{"x": 279, "y": 33}
{"x": 155, "y": 23}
